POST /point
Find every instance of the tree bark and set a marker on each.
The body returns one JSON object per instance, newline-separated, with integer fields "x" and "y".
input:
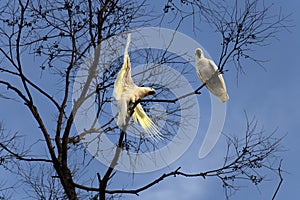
{"x": 66, "y": 179}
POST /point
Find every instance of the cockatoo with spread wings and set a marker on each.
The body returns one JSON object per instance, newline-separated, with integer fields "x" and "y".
{"x": 209, "y": 74}
{"x": 127, "y": 93}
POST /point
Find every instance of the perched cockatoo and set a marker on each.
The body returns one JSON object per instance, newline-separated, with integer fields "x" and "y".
{"x": 127, "y": 94}
{"x": 209, "y": 74}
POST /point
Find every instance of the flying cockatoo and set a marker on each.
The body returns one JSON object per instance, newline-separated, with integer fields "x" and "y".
{"x": 127, "y": 93}
{"x": 209, "y": 74}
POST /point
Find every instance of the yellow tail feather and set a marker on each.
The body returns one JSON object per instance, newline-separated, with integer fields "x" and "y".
{"x": 147, "y": 124}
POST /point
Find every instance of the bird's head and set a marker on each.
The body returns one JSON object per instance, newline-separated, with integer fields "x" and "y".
{"x": 140, "y": 93}
{"x": 199, "y": 53}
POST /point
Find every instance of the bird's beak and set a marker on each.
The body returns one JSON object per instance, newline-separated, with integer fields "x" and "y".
{"x": 151, "y": 92}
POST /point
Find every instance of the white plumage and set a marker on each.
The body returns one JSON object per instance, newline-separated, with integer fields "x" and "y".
{"x": 209, "y": 74}
{"x": 127, "y": 93}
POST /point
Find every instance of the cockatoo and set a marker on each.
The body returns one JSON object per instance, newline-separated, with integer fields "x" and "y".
{"x": 127, "y": 93}
{"x": 209, "y": 74}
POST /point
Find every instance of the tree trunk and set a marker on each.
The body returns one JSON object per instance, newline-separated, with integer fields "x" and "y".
{"x": 66, "y": 180}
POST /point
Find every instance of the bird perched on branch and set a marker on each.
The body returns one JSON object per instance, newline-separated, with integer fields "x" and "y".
{"x": 128, "y": 94}
{"x": 209, "y": 74}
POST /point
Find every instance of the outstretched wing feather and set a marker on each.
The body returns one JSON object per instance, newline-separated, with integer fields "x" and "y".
{"x": 146, "y": 123}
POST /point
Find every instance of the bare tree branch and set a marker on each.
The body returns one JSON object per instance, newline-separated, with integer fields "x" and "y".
{"x": 57, "y": 37}
{"x": 244, "y": 158}
{"x": 19, "y": 157}
{"x": 280, "y": 180}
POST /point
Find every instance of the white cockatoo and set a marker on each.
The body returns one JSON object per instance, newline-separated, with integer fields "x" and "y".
{"x": 127, "y": 93}
{"x": 209, "y": 74}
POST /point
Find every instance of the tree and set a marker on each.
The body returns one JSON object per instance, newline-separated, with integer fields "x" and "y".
{"x": 63, "y": 36}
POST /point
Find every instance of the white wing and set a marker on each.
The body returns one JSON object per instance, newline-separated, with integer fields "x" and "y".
{"x": 124, "y": 82}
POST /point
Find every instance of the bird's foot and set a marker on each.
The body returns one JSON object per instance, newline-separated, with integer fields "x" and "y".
{"x": 132, "y": 105}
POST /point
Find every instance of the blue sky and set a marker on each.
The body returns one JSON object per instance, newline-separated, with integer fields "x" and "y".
{"x": 271, "y": 95}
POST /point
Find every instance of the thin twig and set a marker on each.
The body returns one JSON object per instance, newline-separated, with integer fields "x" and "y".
{"x": 280, "y": 181}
